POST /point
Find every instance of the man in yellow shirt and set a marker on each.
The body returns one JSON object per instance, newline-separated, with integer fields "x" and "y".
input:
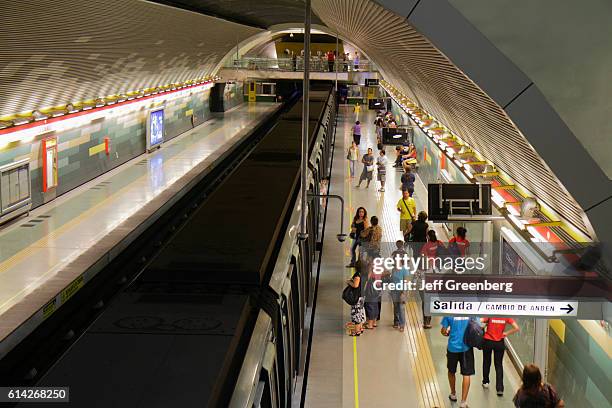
{"x": 407, "y": 208}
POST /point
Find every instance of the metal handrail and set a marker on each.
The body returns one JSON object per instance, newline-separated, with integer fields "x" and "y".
{"x": 288, "y": 64}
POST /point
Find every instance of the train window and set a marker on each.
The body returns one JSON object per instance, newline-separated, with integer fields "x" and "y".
{"x": 298, "y": 320}
{"x": 282, "y": 357}
{"x": 289, "y": 326}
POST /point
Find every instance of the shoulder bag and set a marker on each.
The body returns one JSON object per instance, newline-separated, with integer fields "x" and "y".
{"x": 409, "y": 228}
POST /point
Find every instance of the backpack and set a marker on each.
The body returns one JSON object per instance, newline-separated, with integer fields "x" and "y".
{"x": 442, "y": 251}
{"x": 474, "y": 334}
{"x": 351, "y": 295}
{"x": 453, "y": 250}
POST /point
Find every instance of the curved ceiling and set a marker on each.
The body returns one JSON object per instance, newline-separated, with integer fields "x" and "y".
{"x": 414, "y": 65}
{"x": 71, "y": 50}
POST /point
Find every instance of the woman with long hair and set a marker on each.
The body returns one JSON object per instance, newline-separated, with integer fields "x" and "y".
{"x": 534, "y": 393}
{"x": 360, "y": 223}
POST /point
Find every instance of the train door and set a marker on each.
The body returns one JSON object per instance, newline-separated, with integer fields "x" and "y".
{"x": 283, "y": 358}
{"x": 267, "y": 391}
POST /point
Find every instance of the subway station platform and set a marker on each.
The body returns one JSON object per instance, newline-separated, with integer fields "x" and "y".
{"x": 47, "y": 256}
{"x": 382, "y": 367}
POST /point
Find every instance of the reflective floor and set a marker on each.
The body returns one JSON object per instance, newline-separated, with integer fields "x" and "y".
{"x": 43, "y": 253}
{"x": 382, "y": 367}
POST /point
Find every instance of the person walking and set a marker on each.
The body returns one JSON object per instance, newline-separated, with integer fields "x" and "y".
{"x": 534, "y": 393}
{"x": 494, "y": 343}
{"x": 407, "y": 208}
{"x": 458, "y": 352}
{"x": 352, "y": 156}
{"x": 360, "y": 223}
{"x": 356, "y": 61}
{"x": 356, "y": 129}
{"x": 368, "y": 168}
{"x": 381, "y": 167}
{"x": 408, "y": 179}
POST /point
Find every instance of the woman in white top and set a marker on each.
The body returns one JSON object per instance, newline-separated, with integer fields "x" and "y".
{"x": 352, "y": 156}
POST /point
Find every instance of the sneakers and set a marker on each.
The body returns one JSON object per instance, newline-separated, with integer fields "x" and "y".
{"x": 500, "y": 393}
{"x": 485, "y": 385}
{"x": 452, "y": 397}
{"x": 463, "y": 404}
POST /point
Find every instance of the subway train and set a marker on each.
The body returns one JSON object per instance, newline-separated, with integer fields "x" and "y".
{"x": 217, "y": 317}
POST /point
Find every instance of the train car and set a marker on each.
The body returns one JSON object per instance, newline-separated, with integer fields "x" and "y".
{"x": 217, "y": 317}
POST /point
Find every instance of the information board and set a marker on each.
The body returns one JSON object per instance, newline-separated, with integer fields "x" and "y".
{"x": 155, "y": 128}
{"x": 444, "y": 306}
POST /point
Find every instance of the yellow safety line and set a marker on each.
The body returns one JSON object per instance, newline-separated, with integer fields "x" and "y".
{"x": 355, "y": 372}
{"x": 428, "y": 388}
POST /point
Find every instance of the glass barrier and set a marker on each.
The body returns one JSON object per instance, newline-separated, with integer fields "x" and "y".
{"x": 297, "y": 64}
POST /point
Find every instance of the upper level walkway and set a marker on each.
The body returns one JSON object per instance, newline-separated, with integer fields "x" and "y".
{"x": 285, "y": 68}
{"x": 50, "y": 254}
{"x": 383, "y": 367}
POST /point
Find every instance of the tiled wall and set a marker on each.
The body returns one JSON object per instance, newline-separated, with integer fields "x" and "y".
{"x": 126, "y": 131}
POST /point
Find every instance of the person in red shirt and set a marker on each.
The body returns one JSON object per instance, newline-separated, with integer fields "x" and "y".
{"x": 331, "y": 58}
{"x": 429, "y": 251}
{"x": 494, "y": 343}
{"x": 461, "y": 242}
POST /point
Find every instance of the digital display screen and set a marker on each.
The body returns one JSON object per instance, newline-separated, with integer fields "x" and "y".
{"x": 156, "y": 127}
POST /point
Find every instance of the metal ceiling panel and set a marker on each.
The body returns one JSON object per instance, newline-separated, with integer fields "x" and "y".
{"x": 422, "y": 72}
{"x": 54, "y": 53}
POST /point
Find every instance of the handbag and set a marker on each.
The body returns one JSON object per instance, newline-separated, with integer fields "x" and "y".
{"x": 409, "y": 228}
{"x": 370, "y": 168}
{"x": 351, "y": 295}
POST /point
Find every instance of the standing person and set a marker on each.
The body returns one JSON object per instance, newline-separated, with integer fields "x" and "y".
{"x": 429, "y": 252}
{"x": 352, "y": 156}
{"x": 494, "y": 343}
{"x": 294, "y": 60}
{"x": 372, "y": 237}
{"x": 360, "y": 223}
{"x": 418, "y": 234}
{"x": 398, "y": 297}
{"x": 356, "y": 129}
{"x": 381, "y": 167}
{"x": 407, "y": 208}
{"x": 331, "y": 58}
{"x": 344, "y": 62}
{"x": 372, "y": 297}
{"x": 358, "y": 316}
{"x": 357, "y": 110}
{"x": 356, "y": 61}
{"x": 534, "y": 393}
{"x": 458, "y": 352}
{"x": 459, "y": 244}
{"x": 408, "y": 179}
{"x": 368, "y": 168}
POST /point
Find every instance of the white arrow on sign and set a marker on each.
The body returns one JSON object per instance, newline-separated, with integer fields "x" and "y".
{"x": 503, "y": 308}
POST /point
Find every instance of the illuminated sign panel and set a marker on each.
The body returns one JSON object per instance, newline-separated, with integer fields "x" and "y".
{"x": 155, "y": 128}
